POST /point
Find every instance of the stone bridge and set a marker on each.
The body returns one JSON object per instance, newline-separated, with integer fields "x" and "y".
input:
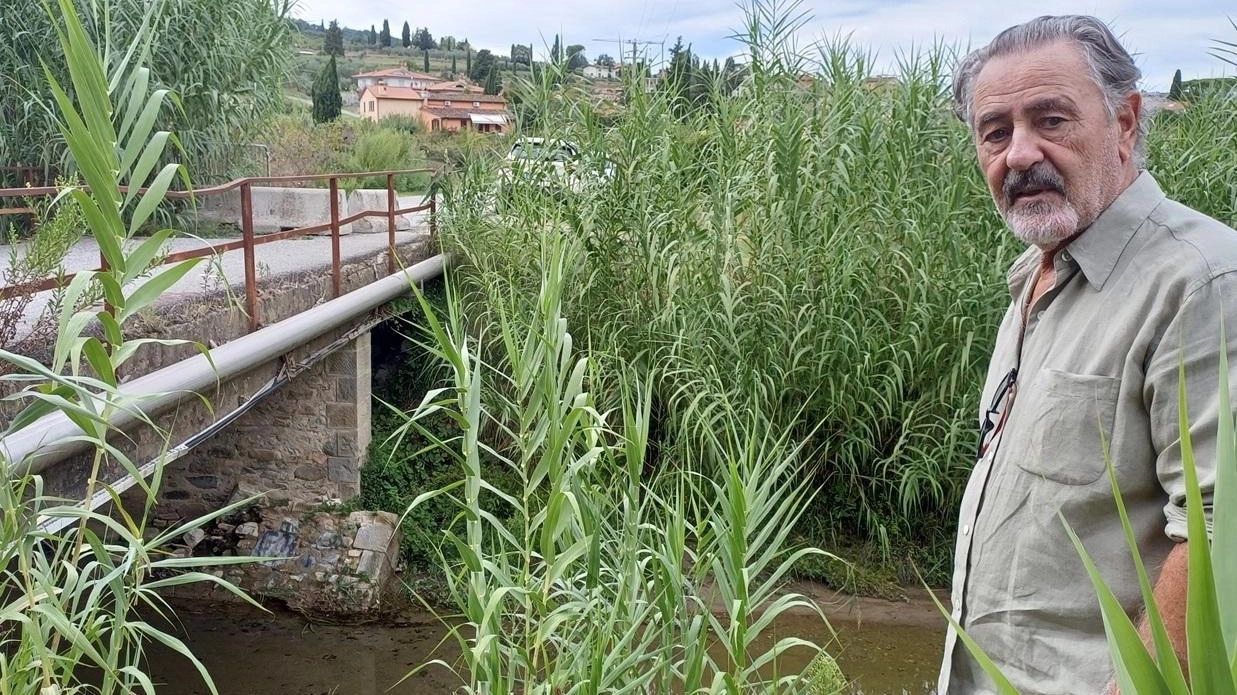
{"x": 281, "y": 409}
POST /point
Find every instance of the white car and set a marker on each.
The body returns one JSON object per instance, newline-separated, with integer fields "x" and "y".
{"x": 550, "y": 165}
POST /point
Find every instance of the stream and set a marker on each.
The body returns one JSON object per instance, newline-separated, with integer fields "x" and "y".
{"x": 885, "y": 648}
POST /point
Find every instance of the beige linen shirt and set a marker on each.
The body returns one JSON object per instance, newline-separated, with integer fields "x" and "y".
{"x": 1146, "y": 285}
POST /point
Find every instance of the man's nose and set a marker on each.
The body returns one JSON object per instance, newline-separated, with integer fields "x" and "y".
{"x": 1024, "y": 150}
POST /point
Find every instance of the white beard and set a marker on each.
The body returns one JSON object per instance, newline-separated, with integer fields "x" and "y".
{"x": 1042, "y": 223}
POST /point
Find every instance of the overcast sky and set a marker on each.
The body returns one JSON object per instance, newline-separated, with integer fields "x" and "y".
{"x": 1163, "y": 38}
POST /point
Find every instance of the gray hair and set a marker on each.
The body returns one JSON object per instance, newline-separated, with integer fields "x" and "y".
{"x": 1111, "y": 66}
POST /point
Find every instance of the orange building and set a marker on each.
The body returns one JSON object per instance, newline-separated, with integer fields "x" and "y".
{"x": 393, "y": 77}
{"x": 437, "y": 110}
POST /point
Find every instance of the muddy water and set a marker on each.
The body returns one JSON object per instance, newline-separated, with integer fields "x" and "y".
{"x": 885, "y": 647}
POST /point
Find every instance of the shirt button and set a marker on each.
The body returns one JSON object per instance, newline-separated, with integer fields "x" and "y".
{"x": 1039, "y": 316}
{"x": 966, "y": 529}
{"x": 1066, "y": 257}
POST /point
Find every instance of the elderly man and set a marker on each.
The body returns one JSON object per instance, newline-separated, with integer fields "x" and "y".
{"x": 1119, "y": 284}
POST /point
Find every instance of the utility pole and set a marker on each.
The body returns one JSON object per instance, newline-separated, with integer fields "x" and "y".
{"x": 635, "y": 45}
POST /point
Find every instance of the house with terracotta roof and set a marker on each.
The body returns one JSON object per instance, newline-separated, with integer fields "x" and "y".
{"x": 393, "y": 77}
{"x": 449, "y": 111}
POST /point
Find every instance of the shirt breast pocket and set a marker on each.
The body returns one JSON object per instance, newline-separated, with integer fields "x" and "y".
{"x": 1064, "y": 415}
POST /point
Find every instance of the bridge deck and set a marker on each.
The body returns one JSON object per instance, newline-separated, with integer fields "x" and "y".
{"x": 276, "y": 260}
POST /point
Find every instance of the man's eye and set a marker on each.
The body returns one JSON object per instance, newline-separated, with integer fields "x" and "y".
{"x": 996, "y": 135}
{"x": 1053, "y": 121}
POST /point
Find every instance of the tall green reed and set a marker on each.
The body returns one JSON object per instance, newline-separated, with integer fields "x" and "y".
{"x": 818, "y": 249}
{"x": 74, "y": 579}
{"x": 821, "y": 253}
{"x": 596, "y": 574}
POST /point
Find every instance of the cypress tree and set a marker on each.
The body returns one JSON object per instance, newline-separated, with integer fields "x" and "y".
{"x": 333, "y": 41}
{"x": 492, "y": 84}
{"x": 468, "y": 58}
{"x": 426, "y": 65}
{"x": 327, "y": 101}
{"x": 384, "y": 39}
{"x": 453, "y": 70}
{"x": 1174, "y": 91}
{"x": 406, "y": 36}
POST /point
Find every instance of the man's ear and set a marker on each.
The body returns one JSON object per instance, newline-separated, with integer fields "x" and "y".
{"x": 1127, "y": 116}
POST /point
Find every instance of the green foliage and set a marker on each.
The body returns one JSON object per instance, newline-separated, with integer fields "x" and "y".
{"x": 299, "y": 146}
{"x": 424, "y": 40}
{"x": 479, "y": 69}
{"x": 592, "y": 572}
{"x": 825, "y": 255}
{"x": 824, "y": 677}
{"x": 492, "y": 84}
{"x": 333, "y": 41}
{"x": 225, "y": 93}
{"x": 406, "y": 36}
{"x": 59, "y": 226}
{"x": 328, "y": 103}
{"x": 576, "y": 59}
{"x": 384, "y": 38}
{"x": 74, "y": 580}
{"x": 1194, "y": 153}
{"x": 383, "y": 149}
{"x": 823, "y": 252}
{"x": 1226, "y": 50}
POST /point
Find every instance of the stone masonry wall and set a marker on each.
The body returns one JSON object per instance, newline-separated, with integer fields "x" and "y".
{"x": 321, "y": 562}
{"x": 304, "y": 444}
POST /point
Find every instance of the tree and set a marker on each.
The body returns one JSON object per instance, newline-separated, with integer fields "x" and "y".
{"x": 605, "y": 60}
{"x": 481, "y": 67}
{"x": 447, "y": 43}
{"x": 373, "y": 36}
{"x": 425, "y": 66}
{"x": 468, "y": 59}
{"x": 556, "y": 53}
{"x": 333, "y": 40}
{"x": 424, "y": 40}
{"x": 384, "y": 39}
{"x": 453, "y": 68}
{"x": 327, "y": 102}
{"x": 406, "y": 36}
{"x": 1174, "y": 91}
{"x": 492, "y": 84}
{"x": 521, "y": 54}
{"x": 576, "y": 60}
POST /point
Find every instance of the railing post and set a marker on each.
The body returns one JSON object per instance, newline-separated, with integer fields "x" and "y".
{"x": 335, "y": 269}
{"x": 251, "y": 272}
{"x": 390, "y": 223}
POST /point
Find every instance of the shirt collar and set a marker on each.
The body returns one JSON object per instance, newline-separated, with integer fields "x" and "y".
{"x": 1099, "y": 247}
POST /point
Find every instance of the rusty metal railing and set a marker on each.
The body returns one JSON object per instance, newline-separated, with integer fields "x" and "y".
{"x": 249, "y": 240}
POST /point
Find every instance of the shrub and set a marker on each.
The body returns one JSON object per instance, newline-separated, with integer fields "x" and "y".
{"x": 378, "y": 148}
